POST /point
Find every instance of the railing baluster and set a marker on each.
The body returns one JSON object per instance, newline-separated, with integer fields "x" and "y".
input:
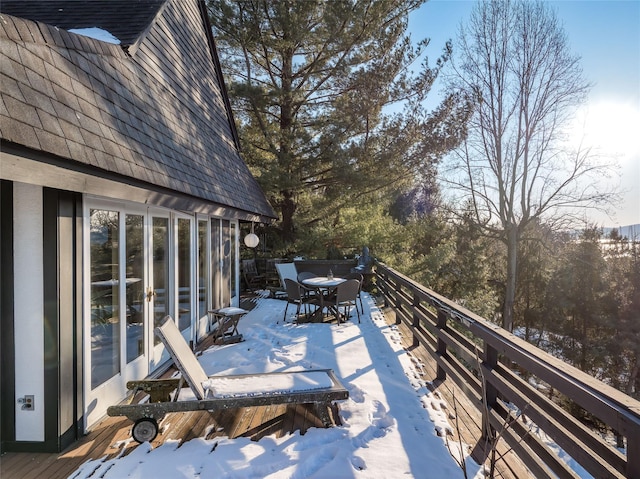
{"x": 442, "y": 346}
{"x": 398, "y": 306}
{"x": 416, "y": 320}
{"x": 490, "y": 393}
{"x": 633, "y": 454}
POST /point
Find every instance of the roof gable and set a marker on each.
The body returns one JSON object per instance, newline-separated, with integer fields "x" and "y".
{"x": 159, "y": 116}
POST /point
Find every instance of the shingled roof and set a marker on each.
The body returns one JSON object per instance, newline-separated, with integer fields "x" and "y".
{"x": 156, "y": 114}
{"x": 125, "y": 20}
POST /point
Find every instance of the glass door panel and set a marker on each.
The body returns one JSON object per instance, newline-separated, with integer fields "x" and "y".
{"x": 216, "y": 264}
{"x": 233, "y": 262}
{"x": 203, "y": 270}
{"x": 204, "y": 287}
{"x": 184, "y": 273}
{"x": 134, "y": 294}
{"x": 159, "y": 284}
{"x": 104, "y": 239}
{"x": 226, "y": 263}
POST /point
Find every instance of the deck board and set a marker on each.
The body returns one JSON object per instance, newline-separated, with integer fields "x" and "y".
{"x": 112, "y": 437}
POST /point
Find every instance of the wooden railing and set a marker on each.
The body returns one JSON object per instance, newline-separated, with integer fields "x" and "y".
{"x": 481, "y": 357}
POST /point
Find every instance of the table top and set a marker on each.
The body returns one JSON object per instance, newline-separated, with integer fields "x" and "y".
{"x": 229, "y": 311}
{"x": 323, "y": 282}
{"x": 115, "y": 282}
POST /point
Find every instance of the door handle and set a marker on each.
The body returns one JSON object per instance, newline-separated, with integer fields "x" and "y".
{"x": 150, "y": 294}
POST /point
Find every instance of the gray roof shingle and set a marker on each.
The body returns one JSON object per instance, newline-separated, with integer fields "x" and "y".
{"x": 125, "y": 20}
{"x": 156, "y": 113}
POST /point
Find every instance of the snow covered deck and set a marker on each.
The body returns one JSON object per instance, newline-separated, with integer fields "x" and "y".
{"x": 396, "y": 422}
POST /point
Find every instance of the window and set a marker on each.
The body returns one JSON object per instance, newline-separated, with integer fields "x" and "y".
{"x": 203, "y": 270}
{"x": 160, "y": 248}
{"x": 105, "y": 285}
{"x": 134, "y": 271}
{"x": 184, "y": 273}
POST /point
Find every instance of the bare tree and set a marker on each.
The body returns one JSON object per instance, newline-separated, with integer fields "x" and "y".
{"x": 515, "y": 167}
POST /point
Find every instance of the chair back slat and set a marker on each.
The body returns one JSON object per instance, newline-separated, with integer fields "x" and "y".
{"x": 182, "y": 356}
{"x": 305, "y": 275}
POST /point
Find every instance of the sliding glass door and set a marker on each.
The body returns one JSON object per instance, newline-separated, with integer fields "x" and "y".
{"x": 141, "y": 265}
{"x": 116, "y": 326}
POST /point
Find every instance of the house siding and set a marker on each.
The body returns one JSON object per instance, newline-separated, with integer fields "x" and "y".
{"x": 28, "y": 310}
{"x": 7, "y": 343}
{"x": 62, "y": 228}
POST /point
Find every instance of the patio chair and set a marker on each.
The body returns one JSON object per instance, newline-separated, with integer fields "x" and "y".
{"x": 360, "y": 278}
{"x": 213, "y": 393}
{"x": 305, "y": 275}
{"x": 285, "y": 270}
{"x": 346, "y": 297}
{"x": 252, "y": 279}
{"x": 297, "y": 294}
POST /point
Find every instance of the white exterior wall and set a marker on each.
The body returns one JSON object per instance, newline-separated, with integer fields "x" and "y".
{"x": 29, "y": 309}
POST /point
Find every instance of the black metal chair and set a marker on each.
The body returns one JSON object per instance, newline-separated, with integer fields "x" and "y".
{"x": 346, "y": 297}
{"x": 296, "y": 294}
{"x": 360, "y": 279}
{"x": 305, "y": 275}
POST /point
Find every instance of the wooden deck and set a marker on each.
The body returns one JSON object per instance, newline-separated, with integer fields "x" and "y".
{"x": 111, "y": 437}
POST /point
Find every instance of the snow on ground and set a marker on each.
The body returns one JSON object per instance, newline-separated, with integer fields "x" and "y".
{"x": 389, "y": 423}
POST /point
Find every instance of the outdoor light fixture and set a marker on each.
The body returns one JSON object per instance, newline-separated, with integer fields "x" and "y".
{"x": 251, "y": 240}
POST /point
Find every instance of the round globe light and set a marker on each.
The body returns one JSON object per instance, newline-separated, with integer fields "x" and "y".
{"x": 251, "y": 240}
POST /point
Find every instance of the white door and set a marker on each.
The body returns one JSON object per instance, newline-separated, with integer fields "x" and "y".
{"x": 116, "y": 309}
{"x": 172, "y": 272}
{"x": 185, "y": 275}
{"x": 158, "y": 290}
{"x": 141, "y": 267}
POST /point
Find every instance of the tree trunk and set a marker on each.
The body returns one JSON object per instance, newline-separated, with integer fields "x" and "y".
{"x": 512, "y": 269}
{"x": 288, "y": 208}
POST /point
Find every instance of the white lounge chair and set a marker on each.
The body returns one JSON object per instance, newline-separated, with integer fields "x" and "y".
{"x": 318, "y": 387}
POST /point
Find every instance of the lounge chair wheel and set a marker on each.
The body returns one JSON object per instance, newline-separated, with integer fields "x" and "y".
{"x": 145, "y": 430}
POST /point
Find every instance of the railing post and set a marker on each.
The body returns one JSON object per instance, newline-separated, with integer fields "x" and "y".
{"x": 633, "y": 454}
{"x": 489, "y": 392}
{"x": 415, "y": 320}
{"x": 398, "y": 304}
{"x": 442, "y": 346}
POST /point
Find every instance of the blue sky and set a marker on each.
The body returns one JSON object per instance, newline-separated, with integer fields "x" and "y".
{"x": 606, "y": 35}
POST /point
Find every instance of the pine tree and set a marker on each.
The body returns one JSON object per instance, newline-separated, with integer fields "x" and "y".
{"x": 313, "y": 86}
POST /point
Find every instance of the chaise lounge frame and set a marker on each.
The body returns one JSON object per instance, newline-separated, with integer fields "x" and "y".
{"x": 147, "y": 416}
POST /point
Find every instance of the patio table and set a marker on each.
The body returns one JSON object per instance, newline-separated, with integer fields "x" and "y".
{"x": 324, "y": 287}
